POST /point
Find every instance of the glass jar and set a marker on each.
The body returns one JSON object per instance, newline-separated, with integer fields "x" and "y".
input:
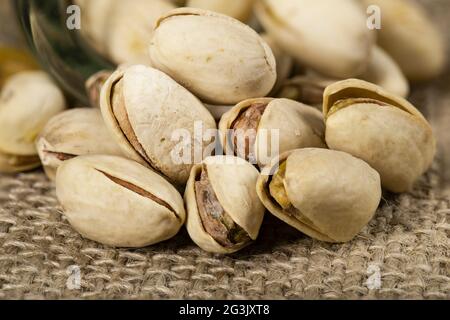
{"x": 60, "y": 50}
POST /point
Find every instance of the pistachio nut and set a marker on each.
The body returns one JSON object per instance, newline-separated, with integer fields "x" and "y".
{"x": 410, "y": 37}
{"x": 73, "y": 133}
{"x": 241, "y": 10}
{"x": 382, "y": 70}
{"x": 247, "y": 128}
{"x": 13, "y": 61}
{"x": 386, "y": 73}
{"x": 219, "y": 59}
{"x": 384, "y": 130}
{"x": 339, "y": 45}
{"x": 119, "y": 30}
{"x": 13, "y": 163}
{"x": 118, "y": 202}
{"x": 284, "y": 62}
{"x": 327, "y": 195}
{"x": 28, "y": 100}
{"x": 143, "y": 108}
{"x": 224, "y": 213}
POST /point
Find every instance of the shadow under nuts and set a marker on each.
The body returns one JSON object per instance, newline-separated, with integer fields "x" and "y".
{"x": 118, "y": 202}
{"x": 328, "y": 195}
{"x": 142, "y": 107}
{"x": 28, "y": 100}
{"x": 219, "y": 59}
{"x": 224, "y": 212}
{"x": 247, "y": 130}
{"x": 74, "y": 133}
{"x": 384, "y": 130}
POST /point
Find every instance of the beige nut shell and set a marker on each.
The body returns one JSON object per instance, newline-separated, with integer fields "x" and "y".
{"x": 409, "y": 35}
{"x": 74, "y": 132}
{"x": 14, "y": 164}
{"x": 240, "y": 10}
{"x": 157, "y": 107}
{"x": 386, "y": 131}
{"x": 386, "y": 73}
{"x": 119, "y": 30}
{"x": 327, "y": 35}
{"x": 107, "y": 212}
{"x": 219, "y": 59}
{"x": 233, "y": 181}
{"x": 28, "y": 100}
{"x": 335, "y": 193}
{"x": 299, "y": 125}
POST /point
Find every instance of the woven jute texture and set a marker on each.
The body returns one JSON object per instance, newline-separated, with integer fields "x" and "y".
{"x": 403, "y": 253}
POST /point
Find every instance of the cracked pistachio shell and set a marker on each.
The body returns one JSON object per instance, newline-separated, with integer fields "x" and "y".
{"x": 327, "y": 35}
{"x": 233, "y": 181}
{"x": 332, "y": 195}
{"x": 118, "y": 202}
{"x": 384, "y": 130}
{"x": 219, "y": 59}
{"x": 120, "y": 29}
{"x": 143, "y": 104}
{"x": 28, "y": 100}
{"x": 410, "y": 37}
{"x": 241, "y": 10}
{"x": 73, "y": 133}
{"x": 299, "y": 125}
{"x": 94, "y": 84}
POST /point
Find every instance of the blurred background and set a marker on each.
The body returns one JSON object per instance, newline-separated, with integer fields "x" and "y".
{"x": 38, "y": 25}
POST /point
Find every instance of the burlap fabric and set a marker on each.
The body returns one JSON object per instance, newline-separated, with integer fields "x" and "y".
{"x": 403, "y": 253}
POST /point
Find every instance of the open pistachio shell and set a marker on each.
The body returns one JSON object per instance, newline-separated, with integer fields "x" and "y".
{"x": 240, "y": 10}
{"x": 385, "y": 130}
{"x": 338, "y": 46}
{"x": 328, "y": 195}
{"x": 224, "y": 213}
{"x": 28, "y": 100}
{"x": 73, "y": 133}
{"x": 219, "y": 59}
{"x": 143, "y": 108}
{"x": 298, "y": 126}
{"x": 118, "y": 202}
{"x": 94, "y": 86}
{"x": 410, "y": 37}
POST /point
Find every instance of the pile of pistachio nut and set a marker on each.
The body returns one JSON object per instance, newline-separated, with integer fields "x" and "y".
{"x": 120, "y": 175}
